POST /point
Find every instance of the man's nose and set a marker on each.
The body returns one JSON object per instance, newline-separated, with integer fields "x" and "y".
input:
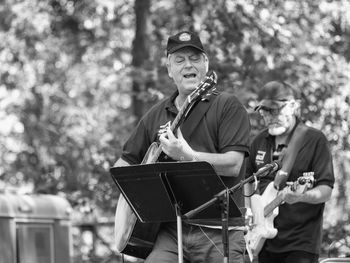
{"x": 188, "y": 63}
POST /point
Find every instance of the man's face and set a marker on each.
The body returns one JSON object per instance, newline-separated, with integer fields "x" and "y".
{"x": 279, "y": 121}
{"x": 187, "y": 67}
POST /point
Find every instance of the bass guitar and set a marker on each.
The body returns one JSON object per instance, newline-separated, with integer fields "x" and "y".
{"x": 265, "y": 209}
{"x": 133, "y": 237}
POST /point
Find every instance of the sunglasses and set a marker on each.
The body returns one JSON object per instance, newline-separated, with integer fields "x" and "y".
{"x": 264, "y": 111}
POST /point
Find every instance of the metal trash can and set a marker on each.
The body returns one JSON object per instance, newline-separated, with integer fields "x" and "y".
{"x": 34, "y": 229}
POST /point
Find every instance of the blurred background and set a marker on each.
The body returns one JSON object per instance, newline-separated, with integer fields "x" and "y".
{"x": 76, "y": 76}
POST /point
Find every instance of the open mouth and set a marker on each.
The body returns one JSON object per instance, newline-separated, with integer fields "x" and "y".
{"x": 274, "y": 124}
{"x": 190, "y": 76}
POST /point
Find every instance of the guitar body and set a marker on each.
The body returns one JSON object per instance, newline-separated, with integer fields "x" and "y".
{"x": 124, "y": 223}
{"x": 263, "y": 227}
{"x": 132, "y": 237}
{"x": 265, "y": 209}
{"x": 151, "y": 153}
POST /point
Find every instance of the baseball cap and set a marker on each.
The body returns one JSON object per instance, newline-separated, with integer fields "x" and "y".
{"x": 275, "y": 94}
{"x": 184, "y": 39}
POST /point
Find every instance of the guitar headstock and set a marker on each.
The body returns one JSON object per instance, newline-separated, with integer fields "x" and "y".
{"x": 205, "y": 88}
{"x": 303, "y": 183}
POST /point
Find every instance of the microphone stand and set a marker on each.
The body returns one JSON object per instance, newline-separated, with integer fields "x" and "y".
{"x": 223, "y": 199}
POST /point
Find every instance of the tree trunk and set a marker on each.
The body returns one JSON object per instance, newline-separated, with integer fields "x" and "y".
{"x": 140, "y": 53}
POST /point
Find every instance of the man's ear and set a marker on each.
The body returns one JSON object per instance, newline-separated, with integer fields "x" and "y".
{"x": 297, "y": 108}
{"x": 168, "y": 66}
{"x": 206, "y": 62}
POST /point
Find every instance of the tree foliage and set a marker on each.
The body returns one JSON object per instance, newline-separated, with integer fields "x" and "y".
{"x": 76, "y": 76}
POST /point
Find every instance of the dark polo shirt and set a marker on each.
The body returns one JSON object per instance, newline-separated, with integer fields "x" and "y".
{"x": 299, "y": 225}
{"x": 224, "y": 127}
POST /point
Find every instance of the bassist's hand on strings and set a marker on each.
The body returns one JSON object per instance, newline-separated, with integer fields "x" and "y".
{"x": 176, "y": 147}
{"x": 291, "y": 197}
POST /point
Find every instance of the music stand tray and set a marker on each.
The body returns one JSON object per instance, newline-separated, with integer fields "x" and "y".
{"x": 154, "y": 190}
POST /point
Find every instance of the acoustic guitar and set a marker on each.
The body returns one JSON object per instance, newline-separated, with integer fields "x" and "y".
{"x": 133, "y": 237}
{"x": 265, "y": 209}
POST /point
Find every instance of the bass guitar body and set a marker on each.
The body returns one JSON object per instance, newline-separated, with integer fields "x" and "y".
{"x": 265, "y": 209}
{"x": 263, "y": 227}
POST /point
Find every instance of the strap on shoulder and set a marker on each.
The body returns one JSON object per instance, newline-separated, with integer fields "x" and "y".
{"x": 294, "y": 145}
{"x": 197, "y": 113}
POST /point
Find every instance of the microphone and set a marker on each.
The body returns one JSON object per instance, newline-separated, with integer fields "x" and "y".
{"x": 268, "y": 168}
{"x": 280, "y": 180}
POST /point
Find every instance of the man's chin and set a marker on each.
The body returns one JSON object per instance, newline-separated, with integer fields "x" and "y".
{"x": 191, "y": 87}
{"x": 276, "y": 131}
{"x": 192, "y": 82}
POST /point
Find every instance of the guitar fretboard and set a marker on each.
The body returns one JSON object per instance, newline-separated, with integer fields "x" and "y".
{"x": 295, "y": 187}
{"x": 272, "y": 205}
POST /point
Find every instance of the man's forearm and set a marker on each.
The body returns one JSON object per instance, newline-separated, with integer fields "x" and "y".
{"x": 225, "y": 164}
{"x": 319, "y": 194}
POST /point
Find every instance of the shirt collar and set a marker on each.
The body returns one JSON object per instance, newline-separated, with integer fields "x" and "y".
{"x": 170, "y": 105}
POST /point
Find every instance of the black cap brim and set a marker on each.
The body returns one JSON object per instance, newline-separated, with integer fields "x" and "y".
{"x": 183, "y": 46}
{"x": 270, "y": 104}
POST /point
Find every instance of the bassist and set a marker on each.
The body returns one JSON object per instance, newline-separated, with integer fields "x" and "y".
{"x": 300, "y": 217}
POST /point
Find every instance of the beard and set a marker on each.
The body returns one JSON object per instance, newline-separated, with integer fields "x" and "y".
{"x": 277, "y": 130}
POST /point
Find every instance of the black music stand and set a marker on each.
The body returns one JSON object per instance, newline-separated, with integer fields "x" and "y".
{"x": 163, "y": 192}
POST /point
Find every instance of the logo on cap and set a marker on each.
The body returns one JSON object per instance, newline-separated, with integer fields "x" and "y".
{"x": 185, "y": 37}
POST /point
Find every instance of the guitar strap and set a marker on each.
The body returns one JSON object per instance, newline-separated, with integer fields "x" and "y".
{"x": 287, "y": 158}
{"x": 196, "y": 114}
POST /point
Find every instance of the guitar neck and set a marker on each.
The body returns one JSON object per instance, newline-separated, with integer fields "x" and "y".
{"x": 174, "y": 125}
{"x": 272, "y": 205}
{"x": 306, "y": 183}
{"x": 180, "y": 116}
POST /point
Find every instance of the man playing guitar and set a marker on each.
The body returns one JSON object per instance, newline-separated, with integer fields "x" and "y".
{"x": 299, "y": 219}
{"x": 220, "y": 137}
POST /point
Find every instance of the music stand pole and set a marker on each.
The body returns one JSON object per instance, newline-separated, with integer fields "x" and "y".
{"x": 224, "y": 203}
{"x": 179, "y": 233}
